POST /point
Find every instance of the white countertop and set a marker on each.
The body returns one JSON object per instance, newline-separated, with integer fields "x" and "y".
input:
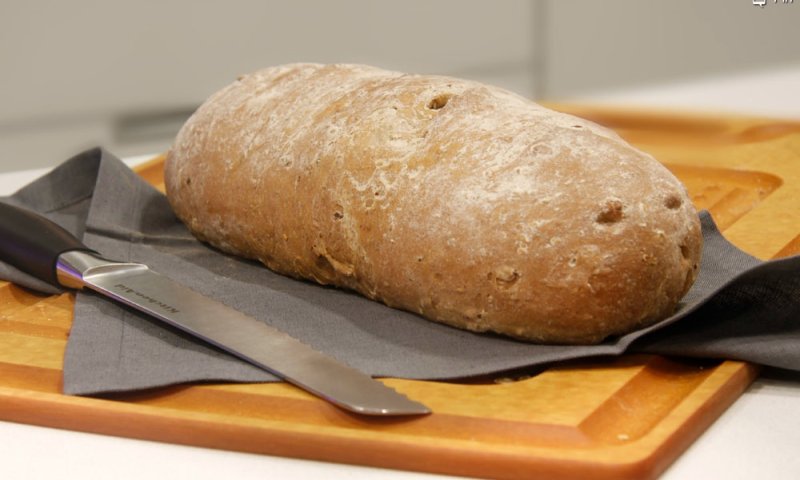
{"x": 757, "y": 437}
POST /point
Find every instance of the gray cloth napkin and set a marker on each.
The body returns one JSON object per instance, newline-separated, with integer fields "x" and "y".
{"x": 739, "y": 308}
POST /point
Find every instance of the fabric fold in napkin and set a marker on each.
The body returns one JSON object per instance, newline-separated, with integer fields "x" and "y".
{"x": 739, "y": 308}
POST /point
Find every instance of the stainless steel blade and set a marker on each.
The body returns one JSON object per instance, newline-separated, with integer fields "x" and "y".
{"x": 245, "y": 337}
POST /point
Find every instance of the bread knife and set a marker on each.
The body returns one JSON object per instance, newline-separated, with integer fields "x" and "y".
{"x": 41, "y": 248}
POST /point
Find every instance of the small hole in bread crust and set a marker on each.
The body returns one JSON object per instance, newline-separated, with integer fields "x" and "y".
{"x": 439, "y": 101}
{"x": 505, "y": 276}
{"x": 673, "y": 202}
{"x": 611, "y": 212}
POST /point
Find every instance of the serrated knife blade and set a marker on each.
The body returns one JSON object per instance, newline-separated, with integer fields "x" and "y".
{"x": 41, "y": 248}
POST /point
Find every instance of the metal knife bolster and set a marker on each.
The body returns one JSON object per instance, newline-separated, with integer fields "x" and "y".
{"x": 75, "y": 267}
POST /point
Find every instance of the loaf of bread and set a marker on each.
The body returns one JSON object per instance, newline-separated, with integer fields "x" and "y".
{"x": 462, "y": 202}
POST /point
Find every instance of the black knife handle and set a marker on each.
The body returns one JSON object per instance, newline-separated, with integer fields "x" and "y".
{"x": 32, "y": 243}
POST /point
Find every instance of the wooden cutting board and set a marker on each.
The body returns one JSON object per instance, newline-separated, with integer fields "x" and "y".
{"x": 628, "y": 417}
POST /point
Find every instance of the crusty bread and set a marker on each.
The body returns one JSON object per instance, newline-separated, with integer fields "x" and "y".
{"x": 462, "y": 202}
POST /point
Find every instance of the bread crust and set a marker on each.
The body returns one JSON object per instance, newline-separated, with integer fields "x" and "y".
{"x": 459, "y": 201}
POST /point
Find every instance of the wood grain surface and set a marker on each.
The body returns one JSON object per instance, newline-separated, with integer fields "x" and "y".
{"x": 627, "y": 417}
